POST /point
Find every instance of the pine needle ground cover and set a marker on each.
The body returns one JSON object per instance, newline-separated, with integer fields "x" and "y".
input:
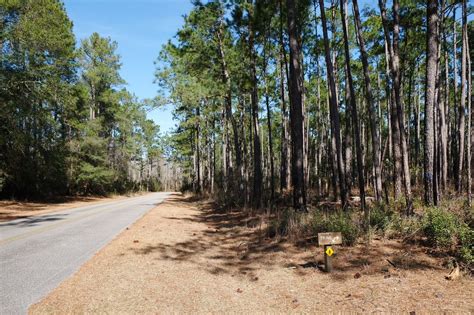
{"x": 190, "y": 257}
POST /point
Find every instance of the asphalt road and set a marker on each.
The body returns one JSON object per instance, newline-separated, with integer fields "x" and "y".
{"x": 38, "y": 253}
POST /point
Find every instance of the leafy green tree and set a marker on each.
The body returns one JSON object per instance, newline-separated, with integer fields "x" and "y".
{"x": 67, "y": 124}
{"x": 37, "y": 66}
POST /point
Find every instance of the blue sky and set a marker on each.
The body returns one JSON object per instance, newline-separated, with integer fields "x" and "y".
{"x": 140, "y": 27}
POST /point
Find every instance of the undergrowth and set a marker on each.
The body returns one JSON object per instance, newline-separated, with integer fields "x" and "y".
{"x": 296, "y": 225}
{"x": 448, "y": 228}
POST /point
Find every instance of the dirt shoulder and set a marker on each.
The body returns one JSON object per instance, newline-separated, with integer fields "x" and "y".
{"x": 185, "y": 257}
{"x": 12, "y": 209}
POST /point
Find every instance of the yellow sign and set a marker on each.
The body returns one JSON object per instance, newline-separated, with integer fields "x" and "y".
{"x": 329, "y": 251}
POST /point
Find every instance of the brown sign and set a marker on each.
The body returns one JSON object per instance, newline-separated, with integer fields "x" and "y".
{"x": 330, "y": 238}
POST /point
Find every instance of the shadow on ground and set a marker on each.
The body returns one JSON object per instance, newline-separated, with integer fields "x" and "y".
{"x": 235, "y": 243}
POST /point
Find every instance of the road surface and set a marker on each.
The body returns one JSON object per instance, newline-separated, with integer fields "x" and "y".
{"x": 38, "y": 253}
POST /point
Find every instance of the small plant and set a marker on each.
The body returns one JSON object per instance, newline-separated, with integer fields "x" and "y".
{"x": 402, "y": 226}
{"x": 440, "y": 227}
{"x": 336, "y": 222}
{"x": 466, "y": 240}
{"x": 342, "y": 222}
{"x": 279, "y": 226}
{"x": 380, "y": 218}
{"x": 298, "y": 225}
{"x": 469, "y": 215}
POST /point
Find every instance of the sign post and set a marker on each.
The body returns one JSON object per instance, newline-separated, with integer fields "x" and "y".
{"x": 327, "y": 240}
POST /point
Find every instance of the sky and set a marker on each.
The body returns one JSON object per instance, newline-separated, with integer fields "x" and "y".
{"x": 140, "y": 27}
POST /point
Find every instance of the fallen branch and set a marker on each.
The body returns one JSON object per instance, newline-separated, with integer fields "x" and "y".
{"x": 391, "y": 263}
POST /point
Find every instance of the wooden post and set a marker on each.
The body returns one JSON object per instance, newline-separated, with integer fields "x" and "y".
{"x": 327, "y": 259}
{"x": 327, "y": 240}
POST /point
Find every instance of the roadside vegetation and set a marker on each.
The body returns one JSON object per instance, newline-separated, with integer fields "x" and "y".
{"x": 323, "y": 116}
{"x": 313, "y": 115}
{"x": 447, "y": 229}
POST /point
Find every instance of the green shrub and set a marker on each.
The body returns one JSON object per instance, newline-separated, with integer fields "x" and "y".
{"x": 296, "y": 225}
{"x": 390, "y": 223}
{"x": 467, "y": 254}
{"x": 440, "y": 227}
{"x": 466, "y": 240}
{"x": 402, "y": 226}
{"x": 154, "y": 184}
{"x": 444, "y": 229}
{"x": 337, "y": 222}
{"x": 317, "y": 222}
{"x": 380, "y": 218}
{"x": 343, "y": 223}
{"x": 469, "y": 215}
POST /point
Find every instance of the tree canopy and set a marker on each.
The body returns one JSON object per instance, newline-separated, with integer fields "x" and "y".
{"x": 68, "y": 125}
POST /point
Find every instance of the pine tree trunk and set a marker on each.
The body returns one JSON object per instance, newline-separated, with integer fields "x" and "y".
{"x": 198, "y": 152}
{"x": 469, "y": 125}
{"x": 354, "y": 112}
{"x": 437, "y": 188}
{"x": 454, "y": 133}
{"x": 225, "y": 151}
{"x": 348, "y": 136}
{"x": 394, "y": 62}
{"x": 333, "y": 104}
{"x": 257, "y": 154}
{"x": 417, "y": 131}
{"x": 296, "y": 112}
{"x": 432, "y": 47}
{"x": 444, "y": 124}
{"x": 374, "y": 124}
{"x": 269, "y": 126}
{"x": 229, "y": 117}
{"x": 462, "y": 103}
{"x": 284, "y": 157}
{"x": 394, "y": 132}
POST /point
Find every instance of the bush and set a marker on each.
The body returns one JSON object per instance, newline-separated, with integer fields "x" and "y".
{"x": 443, "y": 229}
{"x": 337, "y": 222}
{"x": 154, "y": 184}
{"x": 402, "y": 226}
{"x": 380, "y": 218}
{"x": 289, "y": 223}
{"x": 469, "y": 215}
{"x": 343, "y": 223}
{"x": 466, "y": 240}
{"x": 440, "y": 227}
{"x": 297, "y": 225}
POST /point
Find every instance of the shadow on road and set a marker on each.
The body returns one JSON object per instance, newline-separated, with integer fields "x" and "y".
{"x": 34, "y": 221}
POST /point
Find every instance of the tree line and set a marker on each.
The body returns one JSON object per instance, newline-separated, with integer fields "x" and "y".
{"x": 67, "y": 123}
{"x": 320, "y": 99}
